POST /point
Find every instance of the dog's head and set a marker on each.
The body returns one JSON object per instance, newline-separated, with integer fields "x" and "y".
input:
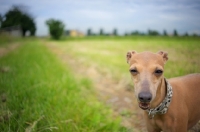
{"x": 146, "y": 70}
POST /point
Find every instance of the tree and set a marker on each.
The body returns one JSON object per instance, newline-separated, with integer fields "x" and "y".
{"x": 56, "y": 28}
{"x": 175, "y": 33}
{"x": 153, "y": 32}
{"x": 186, "y": 34}
{"x": 101, "y": 32}
{"x": 194, "y": 34}
{"x": 165, "y": 33}
{"x": 126, "y": 34}
{"x": 1, "y": 20}
{"x": 89, "y": 32}
{"x": 115, "y": 32}
{"x": 18, "y": 16}
{"x": 135, "y": 33}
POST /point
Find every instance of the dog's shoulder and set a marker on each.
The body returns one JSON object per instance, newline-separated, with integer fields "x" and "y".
{"x": 189, "y": 77}
{"x": 190, "y": 80}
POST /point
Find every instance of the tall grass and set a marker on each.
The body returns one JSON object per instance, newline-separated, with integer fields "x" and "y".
{"x": 39, "y": 94}
{"x": 110, "y": 53}
{"x": 5, "y": 40}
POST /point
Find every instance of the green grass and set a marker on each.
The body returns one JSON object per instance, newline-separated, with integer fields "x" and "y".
{"x": 5, "y": 40}
{"x": 42, "y": 95}
{"x": 109, "y": 54}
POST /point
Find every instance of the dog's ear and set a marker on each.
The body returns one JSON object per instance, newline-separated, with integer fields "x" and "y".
{"x": 129, "y": 55}
{"x": 164, "y": 55}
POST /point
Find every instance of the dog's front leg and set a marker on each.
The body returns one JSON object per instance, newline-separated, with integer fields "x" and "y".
{"x": 180, "y": 128}
{"x": 167, "y": 125}
{"x": 150, "y": 129}
{"x": 176, "y": 124}
{"x": 151, "y": 125}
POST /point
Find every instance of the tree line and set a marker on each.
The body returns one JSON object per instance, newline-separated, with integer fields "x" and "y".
{"x": 19, "y": 16}
{"x": 135, "y": 33}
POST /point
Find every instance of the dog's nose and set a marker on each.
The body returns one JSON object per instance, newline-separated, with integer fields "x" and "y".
{"x": 145, "y": 96}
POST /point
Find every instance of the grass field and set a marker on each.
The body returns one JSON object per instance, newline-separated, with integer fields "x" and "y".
{"x": 110, "y": 53}
{"x": 103, "y": 60}
{"x": 39, "y": 92}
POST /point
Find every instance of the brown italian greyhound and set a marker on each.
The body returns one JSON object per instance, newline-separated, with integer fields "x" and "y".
{"x": 169, "y": 105}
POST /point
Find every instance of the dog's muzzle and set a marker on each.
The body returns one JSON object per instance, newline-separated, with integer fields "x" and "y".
{"x": 144, "y": 98}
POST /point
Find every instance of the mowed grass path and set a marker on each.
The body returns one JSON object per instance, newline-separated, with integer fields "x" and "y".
{"x": 110, "y": 54}
{"x": 38, "y": 93}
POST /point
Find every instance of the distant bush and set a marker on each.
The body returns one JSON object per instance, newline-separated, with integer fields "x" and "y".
{"x": 175, "y": 33}
{"x": 89, "y": 32}
{"x": 153, "y": 33}
{"x": 115, "y": 32}
{"x": 56, "y": 28}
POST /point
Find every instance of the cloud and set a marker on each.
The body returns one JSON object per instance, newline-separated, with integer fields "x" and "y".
{"x": 125, "y": 15}
{"x": 96, "y": 14}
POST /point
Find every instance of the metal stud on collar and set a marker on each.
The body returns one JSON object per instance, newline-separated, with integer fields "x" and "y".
{"x": 151, "y": 116}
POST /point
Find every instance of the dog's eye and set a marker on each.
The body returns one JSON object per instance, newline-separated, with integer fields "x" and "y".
{"x": 134, "y": 71}
{"x": 158, "y": 72}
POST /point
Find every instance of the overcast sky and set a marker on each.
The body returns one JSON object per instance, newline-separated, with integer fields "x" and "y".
{"x": 125, "y": 15}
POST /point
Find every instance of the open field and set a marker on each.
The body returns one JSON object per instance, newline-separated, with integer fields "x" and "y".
{"x": 103, "y": 60}
{"x": 81, "y": 85}
{"x": 110, "y": 53}
{"x": 39, "y": 93}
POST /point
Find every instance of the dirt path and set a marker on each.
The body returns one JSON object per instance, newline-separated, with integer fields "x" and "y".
{"x": 116, "y": 94}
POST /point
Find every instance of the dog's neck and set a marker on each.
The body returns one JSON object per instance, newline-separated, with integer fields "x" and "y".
{"x": 160, "y": 94}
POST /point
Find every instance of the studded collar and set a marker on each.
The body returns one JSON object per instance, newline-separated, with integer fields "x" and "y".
{"x": 163, "y": 106}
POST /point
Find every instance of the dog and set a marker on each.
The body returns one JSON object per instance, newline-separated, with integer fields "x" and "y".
{"x": 170, "y": 105}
